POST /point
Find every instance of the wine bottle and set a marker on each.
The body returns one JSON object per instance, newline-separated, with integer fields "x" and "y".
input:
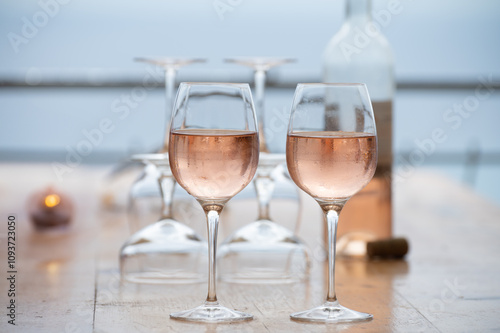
{"x": 360, "y": 53}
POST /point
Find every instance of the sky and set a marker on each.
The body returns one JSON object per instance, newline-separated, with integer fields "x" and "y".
{"x": 432, "y": 40}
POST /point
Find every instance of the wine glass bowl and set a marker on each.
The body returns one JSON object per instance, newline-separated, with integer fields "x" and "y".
{"x": 331, "y": 155}
{"x": 144, "y": 196}
{"x": 314, "y": 165}
{"x": 166, "y": 251}
{"x": 264, "y": 251}
{"x": 214, "y": 153}
{"x": 209, "y": 163}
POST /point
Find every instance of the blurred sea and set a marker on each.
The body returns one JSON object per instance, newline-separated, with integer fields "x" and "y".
{"x": 447, "y": 42}
{"x": 49, "y": 123}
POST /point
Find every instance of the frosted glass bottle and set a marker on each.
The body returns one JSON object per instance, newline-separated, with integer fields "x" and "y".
{"x": 360, "y": 53}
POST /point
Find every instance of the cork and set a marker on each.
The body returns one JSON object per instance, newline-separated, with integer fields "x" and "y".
{"x": 387, "y": 248}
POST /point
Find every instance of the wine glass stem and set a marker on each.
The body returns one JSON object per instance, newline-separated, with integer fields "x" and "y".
{"x": 264, "y": 186}
{"x": 170, "y": 74}
{"x": 212, "y": 212}
{"x": 260, "y": 86}
{"x": 332, "y": 219}
{"x": 167, "y": 186}
{"x": 169, "y": 88}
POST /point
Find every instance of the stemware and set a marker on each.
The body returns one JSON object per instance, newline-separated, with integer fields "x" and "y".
{"x": 331, "y": 162}
{"x": 144, "y": 196}
{"x": 263, "y": 251}
{"x": 214, "y": 152}
{"x": 165, "y": 251}
{"x": 260, "y": 66}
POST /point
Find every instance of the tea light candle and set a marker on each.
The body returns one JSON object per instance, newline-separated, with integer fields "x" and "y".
{"x": 50, "y": 209}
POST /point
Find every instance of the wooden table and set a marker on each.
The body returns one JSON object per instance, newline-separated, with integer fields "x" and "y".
{"x": 69, "y": 282}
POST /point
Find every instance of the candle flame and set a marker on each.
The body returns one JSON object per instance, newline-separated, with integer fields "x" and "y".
{"x": 52, "y": 200}
{"x": 53, "y": 267}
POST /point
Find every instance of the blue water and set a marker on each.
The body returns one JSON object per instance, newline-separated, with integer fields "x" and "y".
{"x": 433, "y": 41}
{"x": 54, "y": 121}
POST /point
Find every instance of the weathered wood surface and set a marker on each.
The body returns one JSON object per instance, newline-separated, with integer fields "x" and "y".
{"x": 69, "y": 282}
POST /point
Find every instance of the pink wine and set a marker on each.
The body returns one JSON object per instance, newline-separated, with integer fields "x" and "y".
{"x": 331, "y": 165}
{"x": 213, "y": 164}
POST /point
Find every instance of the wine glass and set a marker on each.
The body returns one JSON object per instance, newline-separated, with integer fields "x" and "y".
{"x": 165, "y": 251}
{"x": 214, "y": 153}
{"x": 145, "y": 193}
{"x": 331, "y": 165}
{"x": 260, "y": 66}
{"x": 264, "y": 251}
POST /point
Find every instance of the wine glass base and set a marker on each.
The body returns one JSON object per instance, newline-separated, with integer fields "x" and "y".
{"x": 211, "y": 312}
{"x": 166, "y": 252}
{"x": 263, "y": 252}
{"x": 331, "y": 312}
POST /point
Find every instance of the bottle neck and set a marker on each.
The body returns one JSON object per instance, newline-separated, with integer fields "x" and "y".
{"x": 358, "y": 12}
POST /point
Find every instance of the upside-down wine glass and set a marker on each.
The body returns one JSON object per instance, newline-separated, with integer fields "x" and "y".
{"x": 264, "y": 251}
{"x": 166, "y": 251}
{"x": 144, "y": 196}
{"x": 331, "y": 165}
{"x": 214, "y": 152}
{"x": 260, "y": 66}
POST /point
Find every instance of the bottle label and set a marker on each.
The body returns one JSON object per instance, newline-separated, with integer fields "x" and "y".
{"x": 383, "y": 120}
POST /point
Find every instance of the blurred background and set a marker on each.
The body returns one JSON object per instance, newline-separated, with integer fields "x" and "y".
{"x": 67, "y": 65}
